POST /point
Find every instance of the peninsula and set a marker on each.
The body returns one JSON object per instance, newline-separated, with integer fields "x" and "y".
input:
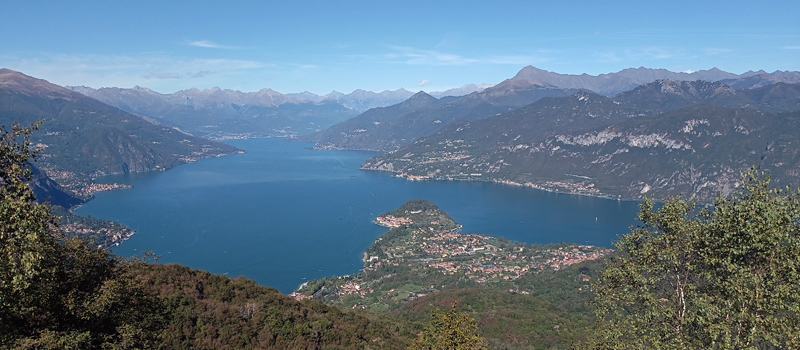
{"x": 424, "y": 251}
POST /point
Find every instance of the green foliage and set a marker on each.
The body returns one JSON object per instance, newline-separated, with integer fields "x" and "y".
{"x": 24, "y": 224}
{"x": 710, "y": 278}
{"x": 507, "y": 320}
{"x": 56, "y": 295}
{"x": 208, "y": 311}
{"x": 449, "y": 330}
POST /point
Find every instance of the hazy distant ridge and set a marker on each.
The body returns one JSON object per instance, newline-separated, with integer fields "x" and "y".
{"x": 627, "y": 79}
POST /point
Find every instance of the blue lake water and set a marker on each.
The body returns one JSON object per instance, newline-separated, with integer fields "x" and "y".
{"x": 282, "y": 214}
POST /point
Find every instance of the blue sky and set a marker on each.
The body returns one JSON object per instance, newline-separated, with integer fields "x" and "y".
{"x": 320, "y": 46}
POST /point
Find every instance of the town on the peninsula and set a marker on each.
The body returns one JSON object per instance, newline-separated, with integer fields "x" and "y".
{"x": 425, "y": 251}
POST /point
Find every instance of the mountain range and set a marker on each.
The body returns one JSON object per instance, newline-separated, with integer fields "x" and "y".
{"x": 662, "y": 138}
{"x": 388, "y": 128}
{"x": 464, "y": 137}
{"x": 223, "y": 114}
{"x": 628, "y": 79}
{"x": 82, "y": 138}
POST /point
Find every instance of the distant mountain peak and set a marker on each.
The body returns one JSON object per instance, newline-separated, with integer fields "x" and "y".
{"x": 419, "y": 99}
{"x": 333, "y": 95}
{"x": 528, "y": 71}
{"x": 267, "y": 91}
{"x": 421, "y": 94}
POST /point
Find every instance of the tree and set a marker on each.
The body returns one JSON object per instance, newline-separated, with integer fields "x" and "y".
{"x": 720, "y": 277}
{"x": 449, "y": 330}
{"x": 60, "y": 294}
{"x": 25, "y": 243}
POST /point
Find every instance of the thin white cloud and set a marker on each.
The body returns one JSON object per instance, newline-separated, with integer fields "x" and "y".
{"x": 210, "y": 45}
{"x": 655, "y": 52}
{"x": 340, "y": 46}
{"x": 639, "y": 54}
{"x": 415, "y": 56}
{"x": 301, "y": 67}
{"x": 795, "y": 47}
{"x": 518, "y": 60}
{"x": 199, "y": 74}
{"x": 147, "y": 69}
{"x": 424, "y": 82}
{"x": 608, "y": 57}
{"x": 716, "y": 50}
{"x": 163, "y": 75}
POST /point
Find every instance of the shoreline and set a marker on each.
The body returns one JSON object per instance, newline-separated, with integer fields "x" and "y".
{"x": 510, "y": 183}
{"x": 489, "y": 258}
{"x": 96, "y": 187}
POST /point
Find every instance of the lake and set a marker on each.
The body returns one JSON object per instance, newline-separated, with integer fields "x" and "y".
{"x": 281, "y": 214}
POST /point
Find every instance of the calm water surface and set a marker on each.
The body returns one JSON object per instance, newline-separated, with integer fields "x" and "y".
{"x": 282, "y": 214}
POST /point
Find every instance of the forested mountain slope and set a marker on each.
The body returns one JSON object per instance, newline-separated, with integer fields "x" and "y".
{"x": 82, "y": 138}
{"x": 663, "y": 138}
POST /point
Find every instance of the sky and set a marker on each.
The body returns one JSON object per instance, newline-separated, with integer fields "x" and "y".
{"x": 377, "y": 45}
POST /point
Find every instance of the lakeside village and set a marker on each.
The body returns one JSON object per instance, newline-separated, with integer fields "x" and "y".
{"x": 416, "y": 258}
{"x": 78, "y": 186}
{"x": 104, "y": 233}
{"x": 108, "y": 235}
{"x": 584, "y": 188}
{"x": 441, "y": 247}
{"x": 447, "y": 164}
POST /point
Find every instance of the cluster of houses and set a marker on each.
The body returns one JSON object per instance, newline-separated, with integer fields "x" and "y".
{"x": 115, "y": 236}
{"x": 474, "y": 255}
{"x": 443, "y": 249}
{"x": 92, "y": 188}
{"x": 391, "y": 221}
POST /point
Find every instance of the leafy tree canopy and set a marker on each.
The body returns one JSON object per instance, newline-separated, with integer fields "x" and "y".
{"x": 60, "y": 295}
{"x": 721, "y": 277}
{"x": 451, "y": 330}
